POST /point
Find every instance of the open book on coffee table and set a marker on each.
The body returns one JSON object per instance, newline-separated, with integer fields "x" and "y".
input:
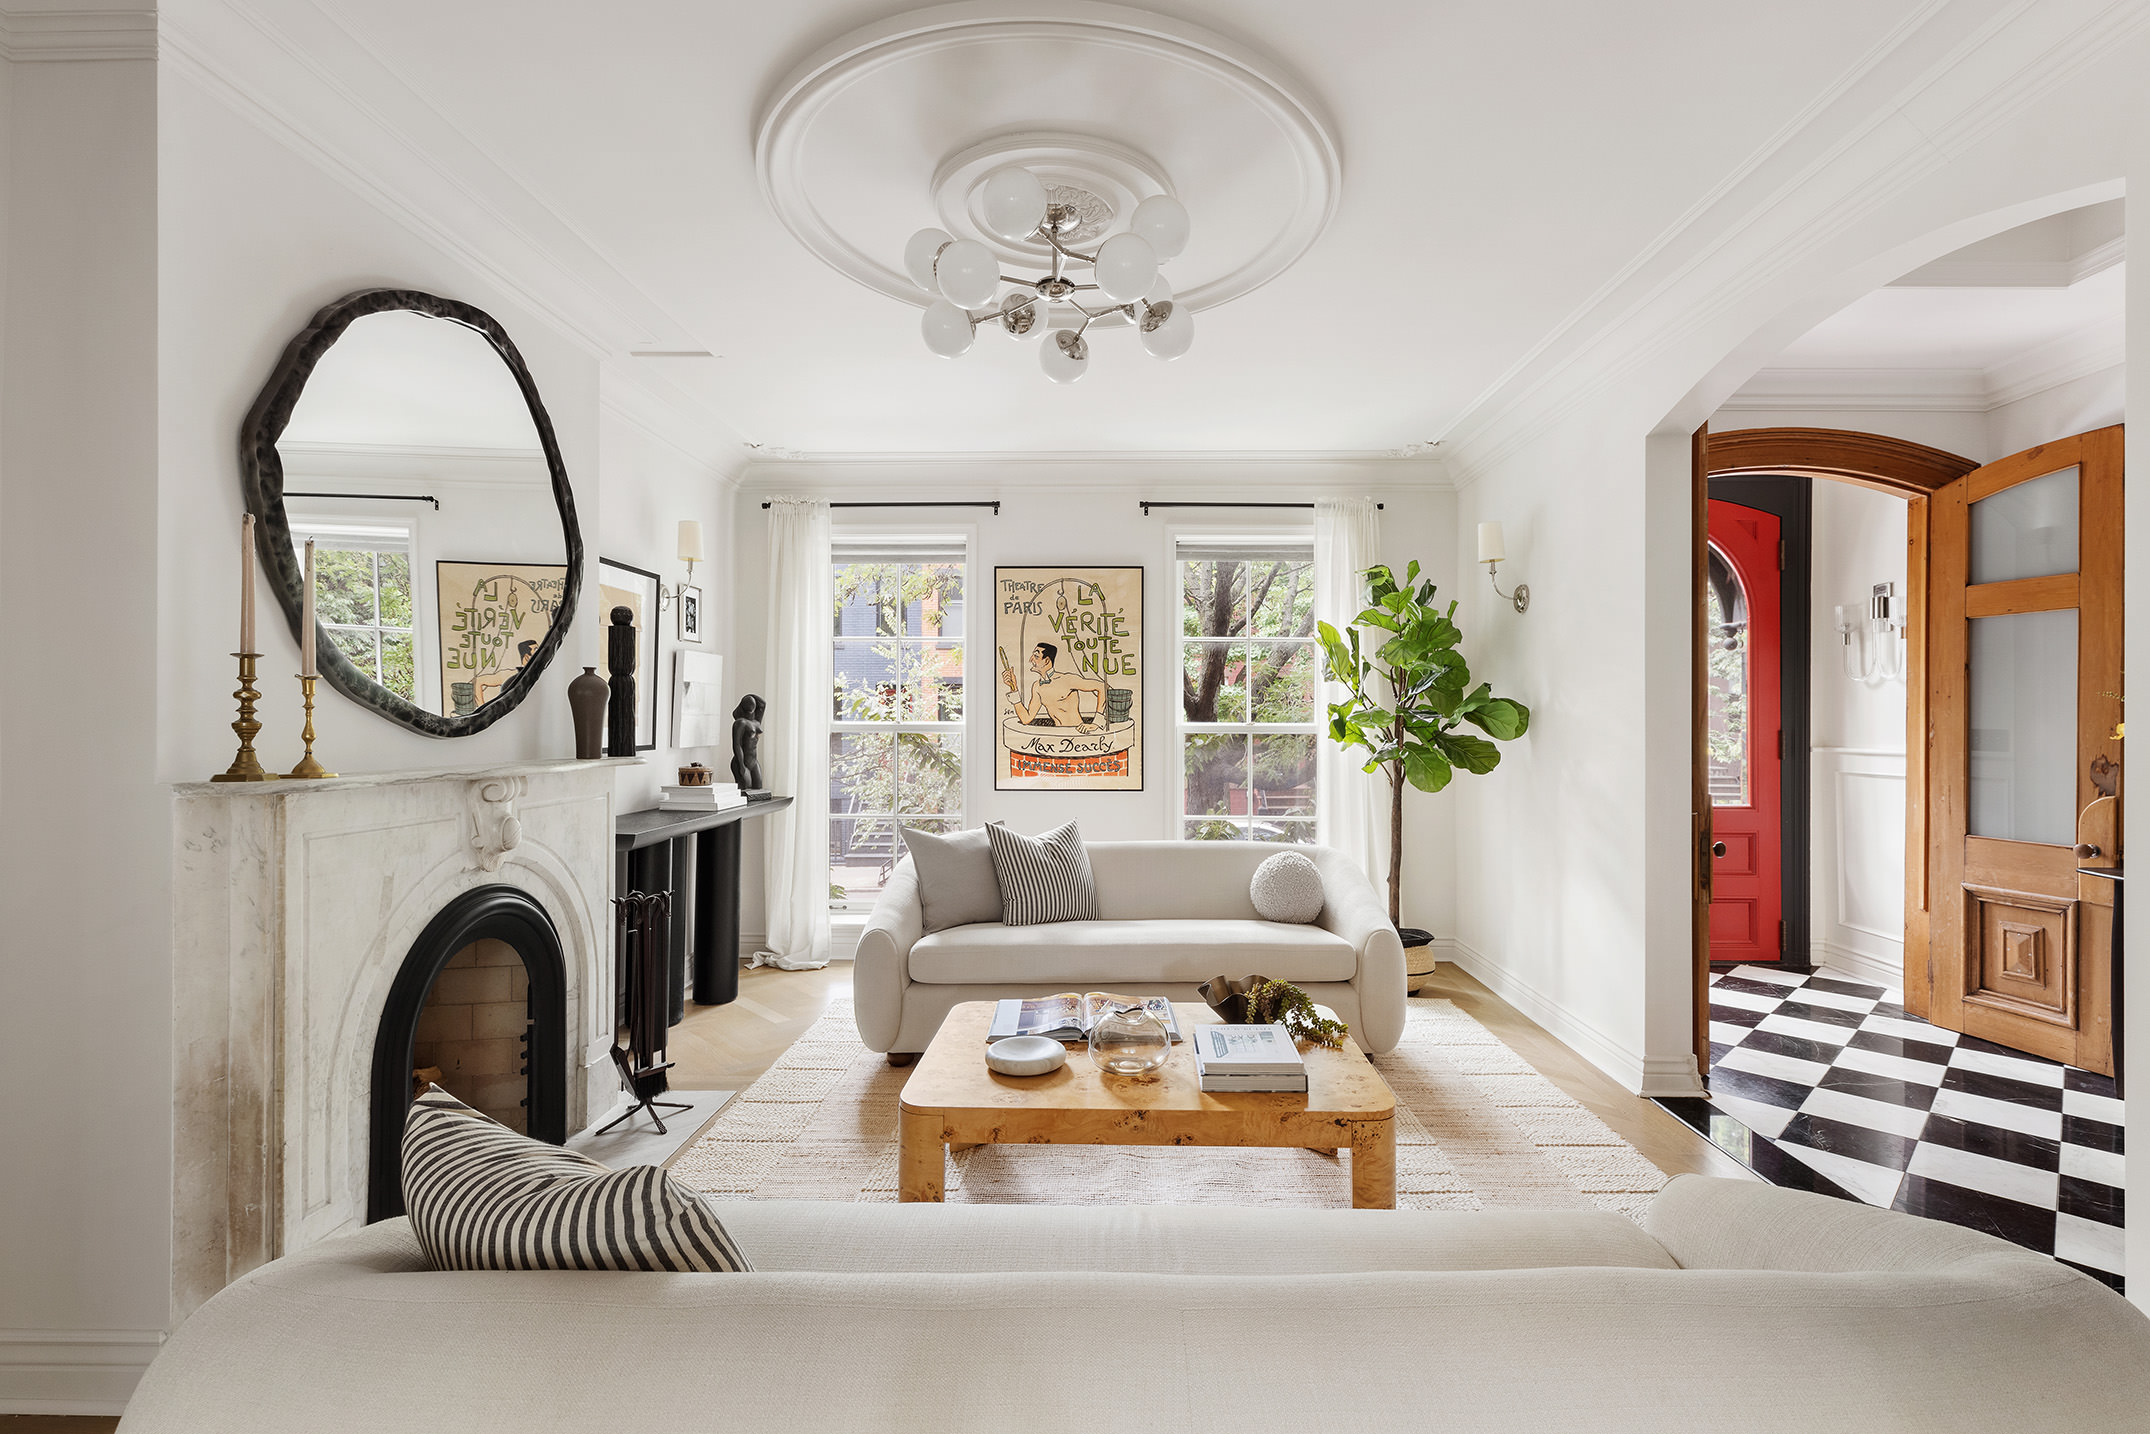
{"x": 1070, "y": 1015}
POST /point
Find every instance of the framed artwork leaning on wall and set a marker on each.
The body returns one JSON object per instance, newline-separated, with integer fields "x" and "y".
{"x": 637, "y": 590}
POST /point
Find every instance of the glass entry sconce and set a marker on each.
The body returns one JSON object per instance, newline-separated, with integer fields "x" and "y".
{"x": 1493, "y": 551}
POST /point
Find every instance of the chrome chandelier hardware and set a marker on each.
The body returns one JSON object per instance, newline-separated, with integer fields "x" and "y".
{"x": 965, "y": 276}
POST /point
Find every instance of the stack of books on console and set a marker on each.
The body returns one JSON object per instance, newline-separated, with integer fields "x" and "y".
{"x": 1250, "y": 1058}
{"x": 716, "y": 797}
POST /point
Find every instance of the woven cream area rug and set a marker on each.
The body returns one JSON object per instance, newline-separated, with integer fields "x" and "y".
{"x": 1476, "y": 1128}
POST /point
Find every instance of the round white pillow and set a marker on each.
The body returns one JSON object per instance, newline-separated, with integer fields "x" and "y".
{"x": 1287, "y": 888}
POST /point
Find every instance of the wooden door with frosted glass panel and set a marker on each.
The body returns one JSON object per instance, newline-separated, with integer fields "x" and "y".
{"x": 2023, "y": 702}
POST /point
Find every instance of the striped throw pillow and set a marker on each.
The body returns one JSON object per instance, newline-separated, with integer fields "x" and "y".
{"x": 482, "y": 1197}
{"x": 1043, "y": 878}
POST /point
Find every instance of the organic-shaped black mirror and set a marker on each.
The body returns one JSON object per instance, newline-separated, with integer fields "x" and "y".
{"x": 402, "y": 433}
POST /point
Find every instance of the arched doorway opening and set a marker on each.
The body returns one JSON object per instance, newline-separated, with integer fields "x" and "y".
{"x": 1912, "y": 471}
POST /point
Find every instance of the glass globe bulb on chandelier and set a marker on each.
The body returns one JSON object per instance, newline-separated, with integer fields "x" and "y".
{"x": 1014, "y": 205}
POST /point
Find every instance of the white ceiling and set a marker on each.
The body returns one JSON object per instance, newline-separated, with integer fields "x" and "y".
{"x": 1501, "y": 164}
{"x": 1993, "y": 321}
{"x": 1930, "y": 327}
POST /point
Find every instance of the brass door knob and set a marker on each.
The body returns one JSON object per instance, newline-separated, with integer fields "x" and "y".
{"x": 1717, "y": 848}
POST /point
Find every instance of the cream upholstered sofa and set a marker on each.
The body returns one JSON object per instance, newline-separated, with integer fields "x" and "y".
{"x": 1171, "y": 914}
{"x": 968, "y": 1317}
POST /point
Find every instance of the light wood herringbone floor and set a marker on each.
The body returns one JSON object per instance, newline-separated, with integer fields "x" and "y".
{"x": 726, "y": 1047}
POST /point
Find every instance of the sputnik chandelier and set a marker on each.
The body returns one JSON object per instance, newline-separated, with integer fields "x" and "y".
{"x": 1125, "y": 289}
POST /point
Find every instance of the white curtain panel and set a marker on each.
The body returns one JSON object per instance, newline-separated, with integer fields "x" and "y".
{"x": 1352, "y": 808}
{"x": 795, "y": 735}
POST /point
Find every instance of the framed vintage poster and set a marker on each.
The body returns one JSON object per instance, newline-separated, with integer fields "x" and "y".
{"x": 1067, "y": 679}
{"x": 636, "y": 589}
{"x": 492, "y": 617}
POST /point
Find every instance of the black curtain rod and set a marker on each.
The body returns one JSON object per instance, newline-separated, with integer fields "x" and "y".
{"x": 975, "y": 503}
{"x": 376, "y": 497}
{"x": 1149, "y": 503}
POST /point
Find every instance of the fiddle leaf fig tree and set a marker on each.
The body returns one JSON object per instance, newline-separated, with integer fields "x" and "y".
{"x": 1407, "y": 701}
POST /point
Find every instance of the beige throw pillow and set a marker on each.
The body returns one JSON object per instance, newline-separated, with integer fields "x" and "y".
{"x": 957, "y": 885}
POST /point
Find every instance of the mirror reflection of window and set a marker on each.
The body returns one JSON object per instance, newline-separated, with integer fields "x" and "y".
{"x": 414, "y": 462}
{"x": 362, "y": 589}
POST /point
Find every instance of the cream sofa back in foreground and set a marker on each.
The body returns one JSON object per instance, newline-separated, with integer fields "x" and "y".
{"x": 1735, "y": 1306}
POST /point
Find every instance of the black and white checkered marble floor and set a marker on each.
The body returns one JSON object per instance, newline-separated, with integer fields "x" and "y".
{"x": 1822, "y": 1083}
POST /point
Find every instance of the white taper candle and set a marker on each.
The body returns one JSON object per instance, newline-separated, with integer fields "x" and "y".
{"x": 306, "y": 624}
{"x": 246, "y": 583}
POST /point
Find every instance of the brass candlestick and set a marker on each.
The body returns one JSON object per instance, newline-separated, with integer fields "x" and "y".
{"x": 308, "y": 767}
{"x": 246, "y": 767}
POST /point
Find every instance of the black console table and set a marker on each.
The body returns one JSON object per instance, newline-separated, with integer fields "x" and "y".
{"x": 652, "y": 851}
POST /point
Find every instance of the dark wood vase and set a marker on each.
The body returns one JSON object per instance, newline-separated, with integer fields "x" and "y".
{"x": 586, "y": 697}
{"x": 620, "y": 659}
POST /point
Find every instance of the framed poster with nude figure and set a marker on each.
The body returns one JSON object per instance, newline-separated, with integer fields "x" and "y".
{"x": 1067, "y": 679}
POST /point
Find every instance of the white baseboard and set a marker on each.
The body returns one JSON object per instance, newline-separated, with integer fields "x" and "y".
{"x": 1671, "y": 1076}
{"x": 1858, "y": 965}
{"x": 73, "y": 1371}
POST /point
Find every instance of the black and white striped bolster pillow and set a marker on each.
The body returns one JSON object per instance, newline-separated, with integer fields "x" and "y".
{"x": 482, "y": 1197}
{"x": 1043, "y": 878}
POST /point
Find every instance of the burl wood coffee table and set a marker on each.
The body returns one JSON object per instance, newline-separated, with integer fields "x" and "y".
{"x": 954, "y": 1101}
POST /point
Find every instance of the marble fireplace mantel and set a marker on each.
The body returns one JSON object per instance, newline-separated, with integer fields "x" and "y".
{"x": 294, "y": 905}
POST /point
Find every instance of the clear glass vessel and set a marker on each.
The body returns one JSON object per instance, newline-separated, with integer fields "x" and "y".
{"x": 1129, "y": 1042}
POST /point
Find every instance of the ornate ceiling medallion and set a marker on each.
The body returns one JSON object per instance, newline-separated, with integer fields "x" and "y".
{"x": 1118, "y": 121}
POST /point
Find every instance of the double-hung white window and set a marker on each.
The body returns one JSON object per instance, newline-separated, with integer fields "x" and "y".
{"x": 1250, "y": 687}
{"x": 896, "y": 733}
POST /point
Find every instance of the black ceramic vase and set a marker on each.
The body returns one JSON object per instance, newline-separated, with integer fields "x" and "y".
{"x": 586, "y": 699}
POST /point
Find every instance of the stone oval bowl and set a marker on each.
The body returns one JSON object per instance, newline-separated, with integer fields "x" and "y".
{"x": 1026, "y": 1055}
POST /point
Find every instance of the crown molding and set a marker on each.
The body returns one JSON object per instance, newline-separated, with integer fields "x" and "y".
{"x": 2088, "y": 351}
{"x": 627, "y": 398}
{"x": 2092, "y": 350}
{"x": 1957, "y": 72}
{"x": 320, "y": 90}
{"x": 1862, "y": 390}
{"x": 2015, "y": 273}
{"x": 1264, "y": 477}
{"x": 47, "y": 36}
{"x": 414, "y": 463}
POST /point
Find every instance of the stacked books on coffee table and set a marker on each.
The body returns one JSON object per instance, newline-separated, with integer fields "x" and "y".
{"x": 715, "y": 797}
{"x": 1248, "y": 1058}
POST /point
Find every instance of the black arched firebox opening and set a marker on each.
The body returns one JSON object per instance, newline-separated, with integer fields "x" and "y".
{"x": 502, "y": 913}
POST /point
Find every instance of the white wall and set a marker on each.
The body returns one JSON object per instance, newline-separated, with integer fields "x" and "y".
{"x": 160, "y": 252}
{"x": 649, "y": 485}
{"x": 1590, "y": 449}
{"x": 1595, "y": 460}
{"x": 2097, "y": 400}
{"x": 1857, "y": 777}
{"x": 1087, "y": 513}
{"x": 234, "y": 294}
{"x": 85, "y": 1181}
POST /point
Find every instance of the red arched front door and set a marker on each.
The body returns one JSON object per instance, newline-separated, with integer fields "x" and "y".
{"x": 1746, "y": 734}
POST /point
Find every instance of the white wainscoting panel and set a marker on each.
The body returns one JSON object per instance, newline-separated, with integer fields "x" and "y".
{"x": 1858, "y": 863}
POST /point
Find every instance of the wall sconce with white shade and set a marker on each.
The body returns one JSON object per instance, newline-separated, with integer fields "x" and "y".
{"x": 686, "y": 597}
{"x": 1493, "y": 551}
